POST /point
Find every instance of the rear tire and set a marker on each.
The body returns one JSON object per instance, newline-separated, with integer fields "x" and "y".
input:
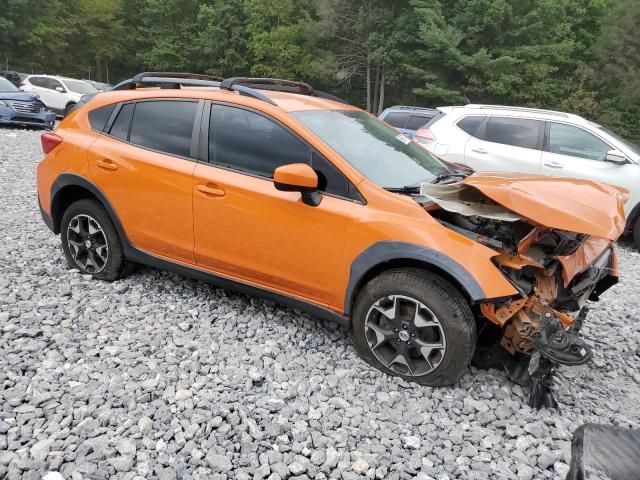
{"x": 431, "y": 347}
{"x": 90, "y": 241}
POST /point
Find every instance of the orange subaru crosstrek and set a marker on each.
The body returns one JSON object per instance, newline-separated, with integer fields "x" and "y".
{"x": 269, "y": 187}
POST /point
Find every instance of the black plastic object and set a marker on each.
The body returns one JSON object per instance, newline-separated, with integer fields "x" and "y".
{"x": 561, "y": 347}
{"x": 605, "y": 451}
{"x": 169, "y": 80}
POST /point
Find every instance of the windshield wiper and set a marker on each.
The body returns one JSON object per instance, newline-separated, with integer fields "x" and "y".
{"x": 405, "y": 189}
{"x": 448, "y": 175}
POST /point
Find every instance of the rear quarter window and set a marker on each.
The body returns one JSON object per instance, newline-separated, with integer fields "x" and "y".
{"x": 471, "y": 125}
{"x": 98, "y": 118}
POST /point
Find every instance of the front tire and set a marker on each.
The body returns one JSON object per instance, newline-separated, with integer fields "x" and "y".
{"x": 90, "y": 241}
{"x": 415, "y": 325}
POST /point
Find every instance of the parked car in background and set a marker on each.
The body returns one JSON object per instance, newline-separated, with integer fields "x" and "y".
{"x": 291, "y": 193}
{"x": 60, "y": 94}
{"x": 99, "y": 86}
{"x": 14, "y": 77}
{"x": 540, "y": 142}
{"x": 22, "y": 108}
{"x": 407, "y": 119}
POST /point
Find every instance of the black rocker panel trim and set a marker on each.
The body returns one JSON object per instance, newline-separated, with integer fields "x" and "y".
{"x": 387, "y": 251}
{"x": 136, "y": 255}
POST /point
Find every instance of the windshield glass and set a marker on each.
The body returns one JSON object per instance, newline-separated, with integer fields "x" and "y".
{"x": 7, "y": 86}
{"x": 79, "y": 86}
{"x": 631, "y": 146}
{"x": 378, "y": 151}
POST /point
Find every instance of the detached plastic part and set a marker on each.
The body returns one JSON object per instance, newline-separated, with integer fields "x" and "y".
{"x": 605, "y": 451}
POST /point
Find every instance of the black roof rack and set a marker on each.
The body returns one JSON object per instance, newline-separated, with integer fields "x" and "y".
{"x": 243, "y": 85}
{"x": 168, "y": 80}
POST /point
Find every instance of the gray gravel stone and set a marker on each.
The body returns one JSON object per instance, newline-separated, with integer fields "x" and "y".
{"x": 157, "y": 375}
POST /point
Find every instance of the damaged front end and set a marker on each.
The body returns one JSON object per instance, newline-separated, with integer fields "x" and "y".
{"x": 555, "y": 271}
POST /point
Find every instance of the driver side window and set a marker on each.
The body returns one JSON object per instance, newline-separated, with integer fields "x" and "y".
{"x": 243, "y": 140}
{"x": 576, "y": 142}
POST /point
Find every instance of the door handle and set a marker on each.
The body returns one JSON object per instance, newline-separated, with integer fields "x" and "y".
{"x": 107, "y": 164}
{"x": 211, "y": 190}
{"x": 479, "y": 150}
{"x": 554, "y": 164}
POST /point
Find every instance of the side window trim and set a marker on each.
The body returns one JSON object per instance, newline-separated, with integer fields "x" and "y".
{"x": 204, "y": 154}
{"x": 112, "y": 118}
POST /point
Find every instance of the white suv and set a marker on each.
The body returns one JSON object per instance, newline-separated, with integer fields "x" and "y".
{"x": 541, "y": 142}
{"x": 59, "y": 94}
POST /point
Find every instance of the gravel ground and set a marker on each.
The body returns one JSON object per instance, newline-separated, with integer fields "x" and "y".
{"x": 159, "y": 376}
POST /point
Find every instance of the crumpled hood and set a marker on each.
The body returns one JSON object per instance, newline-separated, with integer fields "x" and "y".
{"x": 19, "y": 96}
{"x": 573, "y": 205}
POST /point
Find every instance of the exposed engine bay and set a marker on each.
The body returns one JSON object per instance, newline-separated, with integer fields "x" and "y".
{"x": 555, "y": 272}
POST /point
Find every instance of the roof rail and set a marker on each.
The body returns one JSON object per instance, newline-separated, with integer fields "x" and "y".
{"x": 247, "y": 86}
{"x": 168, "y": 80}
{"x": 409, "y": 107}
{"x": 518, "y": 109}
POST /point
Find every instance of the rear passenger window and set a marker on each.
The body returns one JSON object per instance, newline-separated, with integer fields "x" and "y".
{"x": 470, "y": 125}
{"x": 120, "y": 128}
{"x": 164, "y": 125}
{"x": 99, "y": 117}
{"x": 417, "y": 121}
{"x": 397, "y": 119}
{"x": 246, "y": 141}
{"x": 518, "y": 132}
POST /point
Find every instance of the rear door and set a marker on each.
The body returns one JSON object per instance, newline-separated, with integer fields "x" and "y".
{"x": 144, "y": 166}
{"x": 571, "y": 151}
{"x": 506, "y": 144}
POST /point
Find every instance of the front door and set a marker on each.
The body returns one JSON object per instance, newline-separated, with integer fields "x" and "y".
{"x": 144, "y": 166}
{"x": 246, "y": 229}
{"x": 573, "y": 152}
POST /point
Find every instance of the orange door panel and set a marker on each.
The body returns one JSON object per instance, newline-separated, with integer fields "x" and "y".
{"x": 247, "y": 229}
{"x": 151, "y": 194}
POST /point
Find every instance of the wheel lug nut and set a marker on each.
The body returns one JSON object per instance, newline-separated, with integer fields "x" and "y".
{"x": 413, "y": 334}
{"x": 396, "y": 329}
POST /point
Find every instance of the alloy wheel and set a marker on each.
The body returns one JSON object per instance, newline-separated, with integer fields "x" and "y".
{"x": 405, "y": 335}
{"x": 87, "y": 243}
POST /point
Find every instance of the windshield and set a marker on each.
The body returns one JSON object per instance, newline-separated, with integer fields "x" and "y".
{"x": 79, "y": 86}
{"x": 7, "y": 86}
{"x": 631, "y": 146}
{"x": 378, "y": 151}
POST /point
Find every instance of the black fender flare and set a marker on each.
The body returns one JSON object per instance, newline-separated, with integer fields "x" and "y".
{"x": 68, "y": 180}
{"x": 389, "y": 251}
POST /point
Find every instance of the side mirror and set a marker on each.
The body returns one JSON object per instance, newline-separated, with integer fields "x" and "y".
{"x": 298, "y": 177}
{"x": 617, "y": 157}
{"x": 60, "y": 89}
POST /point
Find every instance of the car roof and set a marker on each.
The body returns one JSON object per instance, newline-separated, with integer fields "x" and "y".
{"x": 57, "y": 77}
{"x": 520, "y": 112}
{"x": 409, "y": 109}
{"x": 289, "y": 102}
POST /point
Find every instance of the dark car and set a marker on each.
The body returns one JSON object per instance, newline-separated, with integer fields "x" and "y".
{"x": 408, "y": 119}
{"x": 13, "y": 77}
{"x": 22, "y": 108}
